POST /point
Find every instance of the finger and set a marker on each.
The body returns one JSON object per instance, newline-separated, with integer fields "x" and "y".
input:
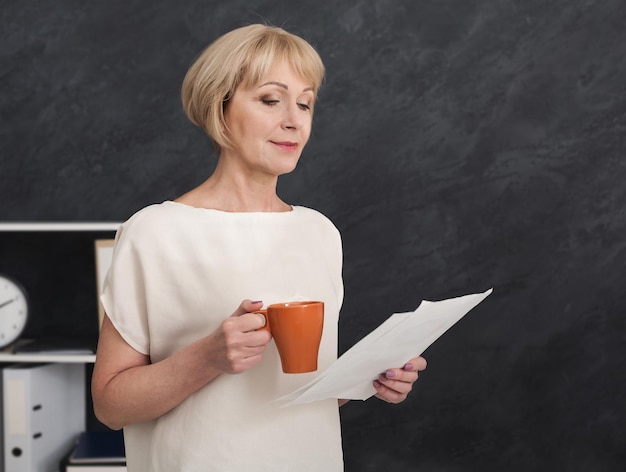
{"x": 416, "y": 364}
{"x": 244, "y": 330}
{"x": 413, "y": 366}
{"x": 387, "y": 394}
{"x": 399, "y": 386}
{"x": 248, "y": 306}
{"x": 399, "y": 375}
{"x": 263, "y": 319}
{"x": 253, "y": 351}
{"x": 246, "y": 358}
{"x": 251, "y": 322}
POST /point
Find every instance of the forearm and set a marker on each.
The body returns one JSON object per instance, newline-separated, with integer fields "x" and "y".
{"x": 145, "y": 392}
{"x": 127, "y": 388}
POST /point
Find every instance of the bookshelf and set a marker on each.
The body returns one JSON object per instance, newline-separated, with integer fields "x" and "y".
{"x": 57, "y": 263}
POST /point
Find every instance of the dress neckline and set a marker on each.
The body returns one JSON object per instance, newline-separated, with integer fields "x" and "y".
{"x": 214, "y": 210}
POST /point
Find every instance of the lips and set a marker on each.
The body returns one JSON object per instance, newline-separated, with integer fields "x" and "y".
{"x": 286, "y": 145}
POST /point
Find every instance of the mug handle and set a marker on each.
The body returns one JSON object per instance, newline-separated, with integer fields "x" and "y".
{"x": 267, "y": 320}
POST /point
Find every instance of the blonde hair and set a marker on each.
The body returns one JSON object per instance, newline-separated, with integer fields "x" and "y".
{"x": 242, "y": 57}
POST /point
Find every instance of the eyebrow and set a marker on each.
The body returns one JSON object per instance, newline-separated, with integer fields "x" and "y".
{"x": 280, "y": 84}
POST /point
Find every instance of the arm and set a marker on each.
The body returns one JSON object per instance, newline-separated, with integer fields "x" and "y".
{"x": 127, "y": 388}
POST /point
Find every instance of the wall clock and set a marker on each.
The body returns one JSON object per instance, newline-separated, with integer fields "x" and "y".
{"x": 13, "y": 310}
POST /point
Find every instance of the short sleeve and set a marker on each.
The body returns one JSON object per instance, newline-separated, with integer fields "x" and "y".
{"x": 124, "y": 292}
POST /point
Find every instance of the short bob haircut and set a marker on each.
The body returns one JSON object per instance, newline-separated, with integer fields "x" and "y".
{"x": 242, "y": 57}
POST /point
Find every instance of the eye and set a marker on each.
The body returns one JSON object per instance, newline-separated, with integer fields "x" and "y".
{"x": 269, "y": 101}
{"x": 304, "y": 106}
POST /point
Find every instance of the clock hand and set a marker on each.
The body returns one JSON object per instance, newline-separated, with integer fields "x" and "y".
{"x": 2, "y": 305}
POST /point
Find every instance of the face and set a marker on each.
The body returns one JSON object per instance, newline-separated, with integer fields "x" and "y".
{"x": 269, "y": 123}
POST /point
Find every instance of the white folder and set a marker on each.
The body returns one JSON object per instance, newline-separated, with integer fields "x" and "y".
{"x": 44, "y": 411}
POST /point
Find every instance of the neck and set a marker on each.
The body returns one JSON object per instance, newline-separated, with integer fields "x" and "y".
{"x": 236, "y": 192}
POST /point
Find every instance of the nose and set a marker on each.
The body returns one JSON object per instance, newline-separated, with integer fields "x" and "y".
{"x": 293, "y": 119}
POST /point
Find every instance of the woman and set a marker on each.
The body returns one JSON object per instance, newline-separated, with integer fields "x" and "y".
{"x": 191, "y": 386}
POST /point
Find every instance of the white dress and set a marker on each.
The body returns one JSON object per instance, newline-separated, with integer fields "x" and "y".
{"x": 177, "y": 272}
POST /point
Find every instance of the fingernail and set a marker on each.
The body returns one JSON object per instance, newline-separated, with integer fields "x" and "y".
{"x": 257, "y": 301}
{"x": 408, "y": 367}
{"x": 390, "y": 373}
{"x": 377, "y": 384}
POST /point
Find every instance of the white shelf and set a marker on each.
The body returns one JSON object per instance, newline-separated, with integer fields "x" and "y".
{"x": 60, "y": 358}
{"x": 60, "y": 226}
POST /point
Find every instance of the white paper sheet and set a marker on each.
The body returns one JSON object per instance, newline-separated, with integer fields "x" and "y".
{"x": 401, "y": 337}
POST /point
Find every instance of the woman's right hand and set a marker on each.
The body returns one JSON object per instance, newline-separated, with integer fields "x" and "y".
{"x": 238, "y": 344}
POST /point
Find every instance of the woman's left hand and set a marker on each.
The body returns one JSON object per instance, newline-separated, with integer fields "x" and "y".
{"x": 394, "y": 385}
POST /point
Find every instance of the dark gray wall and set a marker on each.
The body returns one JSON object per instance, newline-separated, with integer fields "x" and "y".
{"x": 459, "y": 145}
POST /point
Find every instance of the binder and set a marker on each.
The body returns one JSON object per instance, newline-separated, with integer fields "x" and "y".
{"x": 100, "y": 447}
{"x": 97, "y": 451}
{"x": 2, "y": 416}
{"x": 44, "y": 412}
{"x": 2, "y": 366}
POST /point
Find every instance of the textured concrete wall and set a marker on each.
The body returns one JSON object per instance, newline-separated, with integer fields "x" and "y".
{"x": 458, "y": 145}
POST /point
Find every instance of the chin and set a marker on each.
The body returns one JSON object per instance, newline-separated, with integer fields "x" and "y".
{"x": 286, "y": 167}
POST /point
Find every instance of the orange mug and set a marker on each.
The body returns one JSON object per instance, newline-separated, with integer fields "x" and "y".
{"x": 297, "y": 331}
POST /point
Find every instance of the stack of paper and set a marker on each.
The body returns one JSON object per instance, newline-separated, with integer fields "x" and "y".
{"x": 401, "y": 337}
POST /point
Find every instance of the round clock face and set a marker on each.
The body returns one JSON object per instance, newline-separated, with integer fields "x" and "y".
{"x": 13, "y": 310}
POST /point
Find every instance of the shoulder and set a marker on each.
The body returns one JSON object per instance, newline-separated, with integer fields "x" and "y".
{"x": 312, "y": 215}
{"x": 150, "y": 222}
{"x": 314, "y": 218}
